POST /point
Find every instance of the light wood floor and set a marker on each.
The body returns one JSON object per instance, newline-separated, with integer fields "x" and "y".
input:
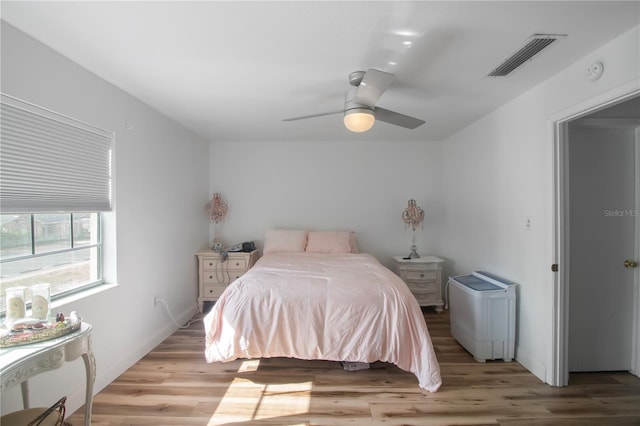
{"x": 173, "y": 385}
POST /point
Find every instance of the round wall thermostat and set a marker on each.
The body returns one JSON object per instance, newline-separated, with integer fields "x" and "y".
{"x": 594, "y": 71}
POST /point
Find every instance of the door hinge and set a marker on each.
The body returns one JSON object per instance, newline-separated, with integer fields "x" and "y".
{"x": 554, "y": 267}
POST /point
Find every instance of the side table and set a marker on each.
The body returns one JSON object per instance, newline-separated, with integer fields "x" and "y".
{"x": 19, "y": 363}
{"x": 216, "y": 272}
{"x": 423, "y": 276}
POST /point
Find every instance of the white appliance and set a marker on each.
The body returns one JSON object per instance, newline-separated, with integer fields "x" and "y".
{"x": 482, "y": 308}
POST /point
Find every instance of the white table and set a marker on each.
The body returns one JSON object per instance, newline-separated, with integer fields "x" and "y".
{"x": 18, "y": 364}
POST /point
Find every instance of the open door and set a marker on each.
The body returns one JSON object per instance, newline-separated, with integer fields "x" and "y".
{"x": 596, "y": 301}
{"x": 602, "y": 239}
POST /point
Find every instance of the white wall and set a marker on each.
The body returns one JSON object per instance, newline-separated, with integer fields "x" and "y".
{"x": 362, "y": 186}
{"x": 161, "y": 187}
{"x": 499, "y": 172}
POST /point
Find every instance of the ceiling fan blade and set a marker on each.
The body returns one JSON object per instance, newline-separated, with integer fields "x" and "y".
{"x": 398, "y": 119}
{"x": 322, "y": 114}
{"x": 373, "y": 85}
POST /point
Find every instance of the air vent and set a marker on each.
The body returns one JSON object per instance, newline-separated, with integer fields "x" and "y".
{"x": 534, "y": 45}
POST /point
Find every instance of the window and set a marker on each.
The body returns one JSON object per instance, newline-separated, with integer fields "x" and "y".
{"x": 61, "y": 249}
{"x": 55, "y": 180}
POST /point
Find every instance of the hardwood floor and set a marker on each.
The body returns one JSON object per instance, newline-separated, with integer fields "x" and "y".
{"x": 173, "y": 385}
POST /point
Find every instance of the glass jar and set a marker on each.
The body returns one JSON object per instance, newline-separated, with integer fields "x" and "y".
{"x": 40, "y": 301}
{"x": 16, "y": 306}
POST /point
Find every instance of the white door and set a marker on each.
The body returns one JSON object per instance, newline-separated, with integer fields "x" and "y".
{"x": 602, "y": 212}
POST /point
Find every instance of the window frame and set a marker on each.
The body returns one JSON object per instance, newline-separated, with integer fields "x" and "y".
{"x": 98, "y": 246}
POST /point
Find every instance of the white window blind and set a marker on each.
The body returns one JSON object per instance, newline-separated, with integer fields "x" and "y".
{"x": 49, "y": 162}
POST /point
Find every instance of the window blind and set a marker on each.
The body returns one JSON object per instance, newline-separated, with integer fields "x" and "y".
{"x": 49, "y": 162}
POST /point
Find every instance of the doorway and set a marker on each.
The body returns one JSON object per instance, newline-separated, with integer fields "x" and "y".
{"x": 597, "y": 288}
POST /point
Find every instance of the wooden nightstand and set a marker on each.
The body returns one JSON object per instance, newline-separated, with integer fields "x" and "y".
{"x": 215, "y": 274}
{"x": 423, "y": 276}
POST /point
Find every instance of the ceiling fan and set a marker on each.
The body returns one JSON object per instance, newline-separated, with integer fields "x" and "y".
{"x": 360, "y": 110}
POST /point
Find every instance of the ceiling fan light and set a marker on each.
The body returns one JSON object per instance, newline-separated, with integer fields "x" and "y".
{"x": 359, "y": 119}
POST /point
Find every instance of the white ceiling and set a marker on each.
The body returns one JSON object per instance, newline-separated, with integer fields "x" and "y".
{"x": 234, "y": 70}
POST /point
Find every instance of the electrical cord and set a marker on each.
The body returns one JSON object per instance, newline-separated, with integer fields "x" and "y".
{"x": 446, "y": 295}
{"x": 223, "y": 266}
{"x": 171, "y": 316}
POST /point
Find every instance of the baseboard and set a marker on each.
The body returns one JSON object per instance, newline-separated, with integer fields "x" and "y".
{"x": 537, "y": 368}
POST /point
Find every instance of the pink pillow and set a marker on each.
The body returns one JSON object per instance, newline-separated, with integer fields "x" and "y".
{"x": 331, "y": 242}
{"x": 284, "y": 240}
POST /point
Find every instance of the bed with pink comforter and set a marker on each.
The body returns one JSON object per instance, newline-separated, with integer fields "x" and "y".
{"x": 339, "y": 307}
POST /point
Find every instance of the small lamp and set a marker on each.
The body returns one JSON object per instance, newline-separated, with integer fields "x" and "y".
{"x": 413, "y": 217}
{"x": 217, "y": 210}
{"x": 359, "y": 119}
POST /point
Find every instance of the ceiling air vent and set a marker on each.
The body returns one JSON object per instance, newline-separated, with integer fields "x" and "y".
{"x": 534, "y": 45}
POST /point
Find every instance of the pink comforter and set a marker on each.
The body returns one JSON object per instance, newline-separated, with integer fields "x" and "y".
{"x": 322, "y": 306}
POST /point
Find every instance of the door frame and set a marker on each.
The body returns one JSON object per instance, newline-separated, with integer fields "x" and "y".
{"x": 560, "y": 294}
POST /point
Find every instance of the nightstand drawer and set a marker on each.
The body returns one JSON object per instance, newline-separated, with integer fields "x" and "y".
{"x": 221, "y": 276}
{"x": 213, "y": 290}
{"x": 210, "y": 277}
{"x": 240, "y": 264}
{"x": 229, "y": 276}
{"x": 212, "y": 264}
{"x": 425, "y": 299}
{"x": 419, "y": 275}
{"x": 423, "y": 286}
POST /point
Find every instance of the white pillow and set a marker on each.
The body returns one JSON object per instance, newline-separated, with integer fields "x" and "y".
{"x": 331, "y": 242}
{"x": 284, "y": 240}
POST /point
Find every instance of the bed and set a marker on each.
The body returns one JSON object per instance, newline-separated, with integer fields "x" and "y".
{"x": 314, "y": 301}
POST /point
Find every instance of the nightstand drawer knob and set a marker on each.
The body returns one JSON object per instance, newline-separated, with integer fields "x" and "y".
{"x": 421, "y": 275}
{"x": 237, "y": 263}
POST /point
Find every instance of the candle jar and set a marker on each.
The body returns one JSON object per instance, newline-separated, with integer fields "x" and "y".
{"x": 16, "y": 306}
{"x": 40, "y": 301}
